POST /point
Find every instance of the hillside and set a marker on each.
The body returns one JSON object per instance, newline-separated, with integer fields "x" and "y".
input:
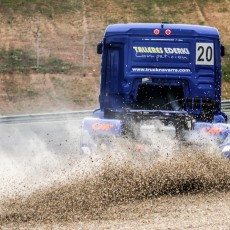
{"x": 48, "y": 60}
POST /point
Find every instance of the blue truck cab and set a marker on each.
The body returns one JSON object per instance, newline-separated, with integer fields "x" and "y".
{"x": 161, "y": 67}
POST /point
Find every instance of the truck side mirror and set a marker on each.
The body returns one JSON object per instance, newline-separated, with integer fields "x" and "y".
{"x": 99, "y": 48}
{"x": 222, "y": 50}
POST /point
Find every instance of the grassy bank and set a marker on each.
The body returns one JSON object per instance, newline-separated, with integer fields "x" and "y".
{"x": 47, "y": 8}
{"x": 17, "y": 60}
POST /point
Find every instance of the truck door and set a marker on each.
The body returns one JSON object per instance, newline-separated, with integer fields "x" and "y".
{"x": 114, "y": 73}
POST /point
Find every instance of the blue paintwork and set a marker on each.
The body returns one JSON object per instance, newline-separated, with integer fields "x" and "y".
{"x": 222, "y": 136}
{"x": 147, "y": 28}
{"x": 226, "y": 149}
{"x": 121, "y": 72}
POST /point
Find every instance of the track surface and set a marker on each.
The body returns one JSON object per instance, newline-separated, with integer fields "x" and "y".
{"x": 200, "y": 211}
{"x": 50, "y": 143}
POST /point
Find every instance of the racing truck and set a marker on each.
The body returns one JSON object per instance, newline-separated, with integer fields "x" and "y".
{"x": 158, "y": 71}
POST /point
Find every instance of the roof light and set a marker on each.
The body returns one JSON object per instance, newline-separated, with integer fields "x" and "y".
{"x": 156, "y": 31}
{"x": 167, "y": 32}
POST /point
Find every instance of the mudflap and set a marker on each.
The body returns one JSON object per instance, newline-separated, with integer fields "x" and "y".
{"x": 98, "y": 134}
{"x": 218, "y": 131}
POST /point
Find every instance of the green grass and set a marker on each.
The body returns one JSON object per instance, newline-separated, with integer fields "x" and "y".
{"x": 222, "y": 10}
{"x": 226, "y": 73}
{"x": 31, "y": 7}
{"x": 17, "y": 60}
{"x": 54, "y": 66}
{"x": 226, "y": 64}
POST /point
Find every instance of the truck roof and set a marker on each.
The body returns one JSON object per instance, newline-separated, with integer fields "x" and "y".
{"x": 148, "y": 28}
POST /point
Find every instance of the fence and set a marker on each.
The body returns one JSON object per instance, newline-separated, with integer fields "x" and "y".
{"x": 225, "y": 105}
{"x": 69, "y": 115}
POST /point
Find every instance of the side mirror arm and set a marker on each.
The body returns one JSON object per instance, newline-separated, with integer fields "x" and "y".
{"x": 99, "y": 48}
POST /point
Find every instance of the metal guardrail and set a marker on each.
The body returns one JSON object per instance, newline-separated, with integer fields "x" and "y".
{"x": 225, "y": 105}
{"x": 27, "y": 118}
